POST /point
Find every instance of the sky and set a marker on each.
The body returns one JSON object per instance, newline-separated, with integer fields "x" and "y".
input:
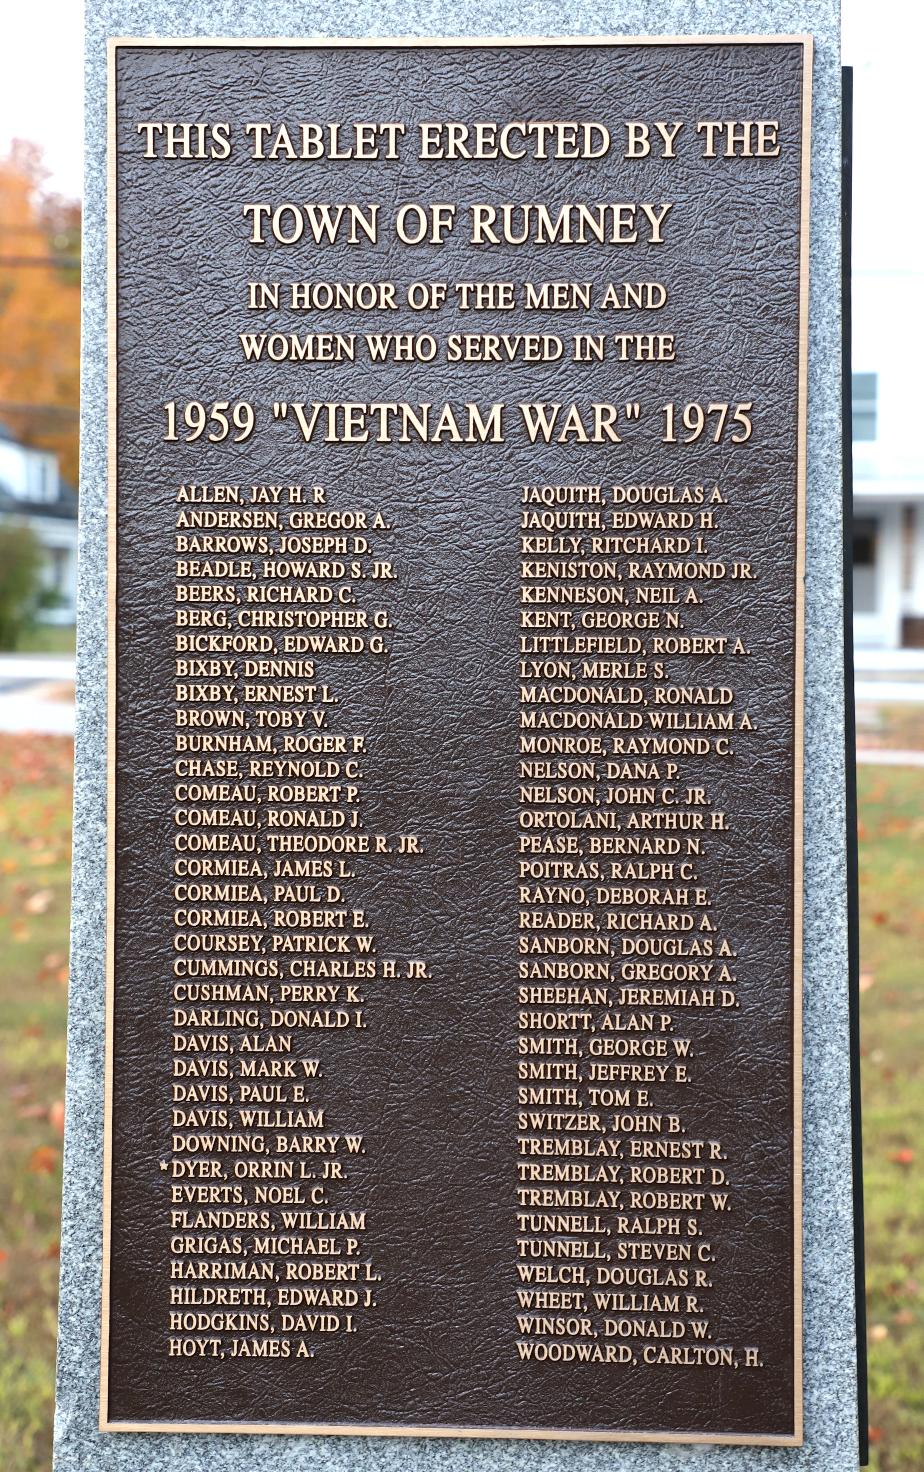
{"x": 41, "y": 81}
{"x": 41, "y": 84}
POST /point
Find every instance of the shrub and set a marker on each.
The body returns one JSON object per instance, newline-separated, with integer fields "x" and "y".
{"x": 20, "y": 582}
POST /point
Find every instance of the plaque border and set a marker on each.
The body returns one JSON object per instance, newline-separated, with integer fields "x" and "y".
{"x": 516, "y": 1433}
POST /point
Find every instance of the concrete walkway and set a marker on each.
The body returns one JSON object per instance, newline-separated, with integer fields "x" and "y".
{"x": 889, "y": 676}
{"x": 888, "y": 661}
{"x": 36, "y": 714}
{"x": 889, "y": 692}
{"x": 19, "y": 668}
{"x": 37, "y": 693}
{"x": 881, "y": 756}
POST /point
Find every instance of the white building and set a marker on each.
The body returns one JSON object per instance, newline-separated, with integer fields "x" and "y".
{"x": 33, "y": 494}
{"x": 888, "y": 463}
{"x": 888, "y": 321}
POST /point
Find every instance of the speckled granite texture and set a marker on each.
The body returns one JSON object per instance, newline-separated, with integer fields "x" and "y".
{"x": 830, "y": 1374}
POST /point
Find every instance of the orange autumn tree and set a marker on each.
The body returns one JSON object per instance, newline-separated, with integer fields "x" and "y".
{"x": 39, "y": 308}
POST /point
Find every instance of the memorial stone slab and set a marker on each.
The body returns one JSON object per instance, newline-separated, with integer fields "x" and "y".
{"x": 458, "y": 1055}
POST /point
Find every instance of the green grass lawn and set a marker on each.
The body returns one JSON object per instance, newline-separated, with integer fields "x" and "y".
{"x": 48, "y": 639}
{"x": 35, "y": 800}
{"x": 35, "y": 825}
{"x": 897, "y": 726}
{"x": 892, "y": 1039}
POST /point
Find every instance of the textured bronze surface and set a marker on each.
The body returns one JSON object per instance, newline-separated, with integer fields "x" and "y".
{"x": 425, "y": 1057}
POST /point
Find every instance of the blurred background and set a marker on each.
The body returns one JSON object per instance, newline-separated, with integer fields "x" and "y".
{"x": 40, "y": 186}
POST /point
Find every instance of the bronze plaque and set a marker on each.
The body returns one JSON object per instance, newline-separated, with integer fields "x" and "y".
{"x": 457, "y": 442}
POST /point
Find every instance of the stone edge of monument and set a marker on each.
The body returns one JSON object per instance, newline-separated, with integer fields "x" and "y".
{"x": 830, "y": 1359}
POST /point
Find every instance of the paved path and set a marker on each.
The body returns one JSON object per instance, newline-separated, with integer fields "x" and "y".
{"x": 881, "y": 756}
{"x": 889, "y": 692}
{"x": 26, "y": 668}
{"x": 891, "y": 661}
{"x": 889, "y": 676}
{"x": 36, "y": 693}
{"x": 36, "y": 713}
